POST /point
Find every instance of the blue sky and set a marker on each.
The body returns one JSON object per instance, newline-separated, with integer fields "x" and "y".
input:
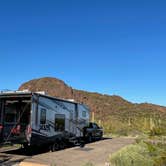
{"x": 112, "y": 47}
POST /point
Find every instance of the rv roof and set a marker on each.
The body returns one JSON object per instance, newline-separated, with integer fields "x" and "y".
{"x": 62, "y": 99}
{"x": 14, "y": 92}
{"x": 9, "y": 94}
{"x": 28, "y": 93}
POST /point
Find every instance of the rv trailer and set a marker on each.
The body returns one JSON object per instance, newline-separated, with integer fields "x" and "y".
{"x": 30, "y": 119}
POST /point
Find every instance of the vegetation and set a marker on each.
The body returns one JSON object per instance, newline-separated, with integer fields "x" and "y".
{"x": 134, "y": 125}
{"x": 144, "y": 153}
{"x": 88, "y": 164}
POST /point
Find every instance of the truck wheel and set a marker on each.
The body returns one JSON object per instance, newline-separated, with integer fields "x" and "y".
{"x": 101, "y": 137}
{"x": 82, "y": 143}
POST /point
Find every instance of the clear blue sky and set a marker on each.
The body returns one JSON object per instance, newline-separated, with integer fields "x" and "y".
{"x": 112, "y": 47}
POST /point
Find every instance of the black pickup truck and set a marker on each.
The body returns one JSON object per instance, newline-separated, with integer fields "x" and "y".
{"x": 92, "y": 132}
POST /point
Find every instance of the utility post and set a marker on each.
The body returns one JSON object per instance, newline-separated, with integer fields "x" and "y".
{"x": 93, "y": 116}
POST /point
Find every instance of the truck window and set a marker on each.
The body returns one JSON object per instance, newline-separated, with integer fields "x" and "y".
{"x": 43, "y": 116}
{"x": 95, "y": 126}
{"x": 59, "y": 122}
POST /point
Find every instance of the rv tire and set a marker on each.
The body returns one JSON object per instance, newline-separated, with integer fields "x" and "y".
{"x": 62, "y": 145}
{"x": 55, "y": 147}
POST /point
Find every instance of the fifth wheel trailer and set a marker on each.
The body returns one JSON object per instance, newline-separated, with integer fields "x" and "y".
{"x": 36, "y": 119}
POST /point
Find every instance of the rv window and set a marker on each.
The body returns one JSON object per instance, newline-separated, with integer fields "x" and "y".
{"x": 83, "y": 113}
{"x": 43, "y": 116}
{"x": 59, "y": 122}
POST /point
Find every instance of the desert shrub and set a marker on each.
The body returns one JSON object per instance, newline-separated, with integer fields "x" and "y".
{"x": 157, "y": 152}
{"x": 88, "y": 164}
{"x": 141, "y": 153}
{"x": 132, "y": 155}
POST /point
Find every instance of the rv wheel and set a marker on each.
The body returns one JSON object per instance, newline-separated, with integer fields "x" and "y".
{"x": 62, "y": 145}
{"x": 55, "y": 147}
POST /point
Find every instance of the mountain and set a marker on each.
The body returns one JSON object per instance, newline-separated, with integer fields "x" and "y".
{"x": 108, "y": 110}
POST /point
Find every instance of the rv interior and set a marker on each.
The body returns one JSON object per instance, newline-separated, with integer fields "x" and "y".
{"x": 15, "y": 115}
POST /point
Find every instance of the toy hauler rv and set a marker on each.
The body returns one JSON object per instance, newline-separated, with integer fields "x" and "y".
{"x": 36, "y": 119}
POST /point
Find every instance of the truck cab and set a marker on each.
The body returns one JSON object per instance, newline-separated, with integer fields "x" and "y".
{"x": 92, "y": 132}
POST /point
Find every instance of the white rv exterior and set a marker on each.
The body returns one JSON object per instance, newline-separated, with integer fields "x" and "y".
{"x": 48, "y": 118}
{"x": 75, "y": 116}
